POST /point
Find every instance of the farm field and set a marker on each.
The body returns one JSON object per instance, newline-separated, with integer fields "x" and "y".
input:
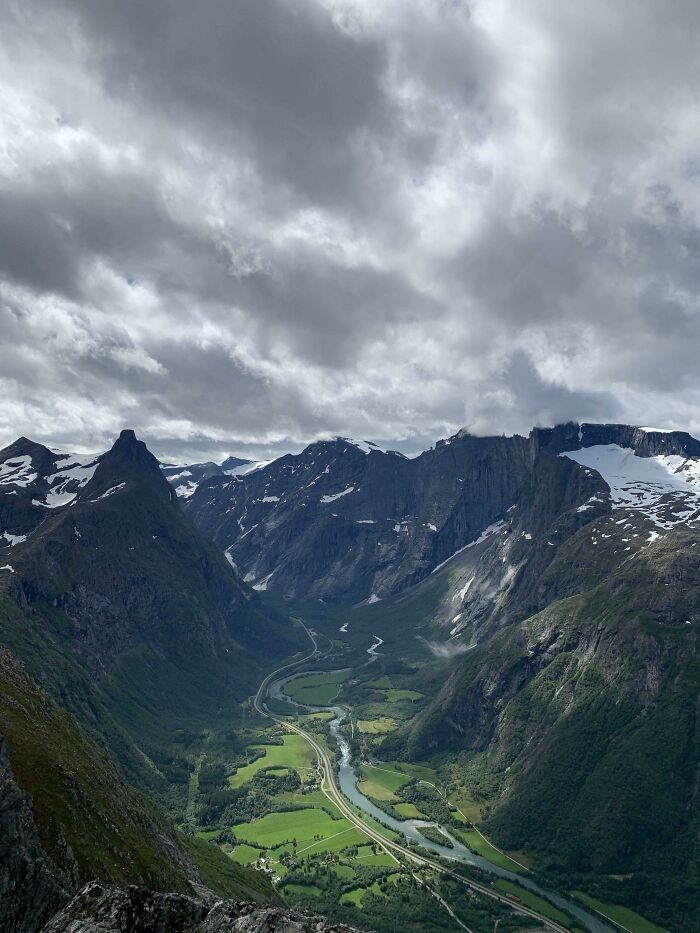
{"x": 394, "y": 695}
{"x": 622, "y": 915}
{"x": 379, "y": 726}
{"x": 409, "y": 811}
{"x": 381, "y": 783}
{"x": 420, "y": 772}
{"x": 245, "y": 854}
{"x": 483, "y": 847}
{"x": 294, "y": 753}
{"x": 316, "y": 689}
{"x": 279, "y": 830}
{"x": 355, "y": 896}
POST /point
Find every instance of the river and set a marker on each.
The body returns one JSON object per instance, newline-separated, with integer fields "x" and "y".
{"x": 347, "y": 780}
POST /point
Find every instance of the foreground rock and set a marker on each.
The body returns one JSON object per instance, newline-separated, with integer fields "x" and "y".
{"x": 101, "y": 909}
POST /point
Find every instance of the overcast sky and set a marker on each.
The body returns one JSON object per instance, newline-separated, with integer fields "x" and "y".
{"x": 239, "y": 225}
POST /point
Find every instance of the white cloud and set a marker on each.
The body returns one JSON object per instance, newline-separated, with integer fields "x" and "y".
{"x": 400, "y": 219}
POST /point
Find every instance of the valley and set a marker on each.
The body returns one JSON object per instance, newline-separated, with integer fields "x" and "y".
{"x": 348, "y": 845}
{"x": 481, "y": 713}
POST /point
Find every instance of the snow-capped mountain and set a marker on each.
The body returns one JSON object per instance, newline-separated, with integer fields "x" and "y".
{"x": 347, "y": 520}
{"x": 186, "y": 478}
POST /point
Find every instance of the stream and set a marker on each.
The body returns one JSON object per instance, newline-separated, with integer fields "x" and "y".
{"x": 347, "y": 780}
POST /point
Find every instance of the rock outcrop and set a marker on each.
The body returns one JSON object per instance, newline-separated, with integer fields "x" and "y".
{"x": 101, "y": 909}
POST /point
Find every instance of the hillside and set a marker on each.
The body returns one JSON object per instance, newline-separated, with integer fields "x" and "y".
{"x": 67, "y": 816}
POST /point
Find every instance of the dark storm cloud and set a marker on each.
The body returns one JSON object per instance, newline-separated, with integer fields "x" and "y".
{"x": 243, "y": 224}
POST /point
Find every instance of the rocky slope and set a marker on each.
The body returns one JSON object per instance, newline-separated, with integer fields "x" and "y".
{"x": 135, "y": 910}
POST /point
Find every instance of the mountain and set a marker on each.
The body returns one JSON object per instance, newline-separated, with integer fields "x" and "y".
{"x": 119, "y": 607}
{"x": 185, "y": 479}
{"x": 573, "y": 714}
{"x": 126, "y": 637}
{"x": 347, "y": 521}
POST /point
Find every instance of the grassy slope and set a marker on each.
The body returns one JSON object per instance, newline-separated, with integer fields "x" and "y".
{"x": 82, "y": 806}
{"x": 78, "y": 798}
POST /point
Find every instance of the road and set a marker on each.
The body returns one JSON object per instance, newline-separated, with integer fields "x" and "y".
{"x": 335, "y": 795}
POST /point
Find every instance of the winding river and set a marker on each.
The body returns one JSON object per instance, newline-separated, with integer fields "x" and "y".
{"x": 347, "y": 780}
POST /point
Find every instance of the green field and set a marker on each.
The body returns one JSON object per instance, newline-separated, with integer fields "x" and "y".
{"x": 316, "y": 689}
{"x": 276, "y": 830}
{"x": 378, "y": 860}
{"x": 531, "y": 900}
{"x": 355, "y": 896}
{"x": 394, "y": 696}
{"x": 245, "y": 854}
{"x": 381, "y": 783}
{"x": 409, "y": 811}
{"x": 483, "y": 847}
{"x": 379, "y": 726}
{"x": 420, "y": 772}
{"x": 295, "y": 753}
{"x": 305, "y": 890}
{"x": 621, "y": 915}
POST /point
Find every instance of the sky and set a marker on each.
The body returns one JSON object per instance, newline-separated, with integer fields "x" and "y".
{"x": 237, "y": 226}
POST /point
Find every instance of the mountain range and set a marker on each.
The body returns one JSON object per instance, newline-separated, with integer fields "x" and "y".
{"x": 557, "y": 577}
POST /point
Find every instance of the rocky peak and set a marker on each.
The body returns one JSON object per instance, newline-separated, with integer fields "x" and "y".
{"x": 128, "y": 461}
{"x": 136, "y": 910}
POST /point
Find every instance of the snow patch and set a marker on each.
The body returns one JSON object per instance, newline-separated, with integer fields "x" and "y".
{"x": 109, "y": 492}
{"x": 8, "y": 567}
{"x": 13, "y": 539}
{"x": 262, "y": 585}
{"x": 485, "y": 534}
{"x": 338, "y": 495}
{"x": 246, "y": 468}
{"x": 17, "y": 471}
{"x": 270, "y": 499}
{"x": 460, "y": 594}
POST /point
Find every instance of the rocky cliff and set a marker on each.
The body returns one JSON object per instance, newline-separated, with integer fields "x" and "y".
{"x": 135, "y": 910}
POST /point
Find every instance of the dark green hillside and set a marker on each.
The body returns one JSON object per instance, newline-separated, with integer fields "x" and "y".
{"x": 66, "y": 808}
{"x": 578, "y": 730}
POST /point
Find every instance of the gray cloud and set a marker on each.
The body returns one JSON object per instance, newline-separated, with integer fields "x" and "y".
{"x": 238, "y": 226}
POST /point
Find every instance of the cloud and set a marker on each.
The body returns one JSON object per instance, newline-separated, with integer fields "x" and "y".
{"x": 239, "y": 226}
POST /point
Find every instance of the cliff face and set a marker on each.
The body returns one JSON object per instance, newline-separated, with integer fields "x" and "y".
{"x": 578, "y": 725}
{"x": 350, "y": 522}
{"x": 346, "y": 521}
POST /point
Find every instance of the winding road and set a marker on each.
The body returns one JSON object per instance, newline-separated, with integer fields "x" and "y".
{"x": 331, "y": 790}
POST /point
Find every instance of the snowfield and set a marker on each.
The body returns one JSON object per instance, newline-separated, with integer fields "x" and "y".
{"x": 666, "y": 489}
